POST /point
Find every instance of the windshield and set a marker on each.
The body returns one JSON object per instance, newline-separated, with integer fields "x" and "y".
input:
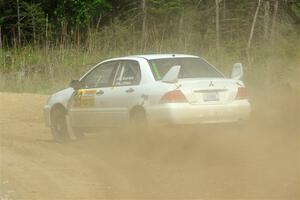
{"x": 190, "y": 68}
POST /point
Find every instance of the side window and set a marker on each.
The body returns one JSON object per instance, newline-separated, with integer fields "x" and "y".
{"x": 101, "y": 76}
{"x": 129, "y": 73}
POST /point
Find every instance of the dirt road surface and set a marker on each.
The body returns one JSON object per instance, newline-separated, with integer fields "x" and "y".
{"x": 260, "y": 161}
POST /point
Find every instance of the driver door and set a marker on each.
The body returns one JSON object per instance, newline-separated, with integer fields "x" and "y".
{"x": 90, "y": 106}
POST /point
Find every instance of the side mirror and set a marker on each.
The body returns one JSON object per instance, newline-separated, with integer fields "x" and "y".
{"x": 237, "y": 71}
{"x": 172, "y": 75}
{"x": 75, "y": 84}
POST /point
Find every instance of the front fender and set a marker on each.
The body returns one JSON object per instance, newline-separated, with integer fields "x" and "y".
{"x": 60, "y": 98}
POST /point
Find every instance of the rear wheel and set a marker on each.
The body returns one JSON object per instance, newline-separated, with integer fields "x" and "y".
{"x": 59, "y": 127}
{"x": 138, "y": 121}
{"x": 140, "y": 133}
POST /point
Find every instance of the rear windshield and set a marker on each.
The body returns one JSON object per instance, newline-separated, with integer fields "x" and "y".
{"x": 190, "y": 68}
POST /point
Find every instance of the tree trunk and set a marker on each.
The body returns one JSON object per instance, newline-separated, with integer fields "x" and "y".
{"x": 272, "y": 47}
{"x": 217, "y": 26}
{"x": 252, "y": 32}
{"x": 19, "y": 23}
{"x": 224, "y": 9}
{"x": 144, "y": 35}
{"x": 274, "y": 20}
{"x": 33, "y": 30}
{"x": 0, "y": 38}
{"x": 78, "y": 36}
{"x": 266, "y": 20}
{"x": 180, "y": 29}
{"x": 14, "y": 38}
{"x": 64, "y": 31}
{"x": 46, "y": 31}
{"x": 98, "y": 23}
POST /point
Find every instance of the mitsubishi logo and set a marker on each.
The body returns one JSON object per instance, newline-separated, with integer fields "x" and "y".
{"x": 211, "y": 84}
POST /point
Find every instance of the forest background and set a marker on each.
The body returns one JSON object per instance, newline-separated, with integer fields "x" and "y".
{"x": 46, "y": 43}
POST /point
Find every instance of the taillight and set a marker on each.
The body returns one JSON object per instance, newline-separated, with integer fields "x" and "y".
{"x": 241, "y": 93}
{"x": 175, "y": 96}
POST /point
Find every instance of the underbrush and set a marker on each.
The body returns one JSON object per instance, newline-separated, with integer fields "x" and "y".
{"x": 273, "y": 82}
{"x": 38, "y": 70}
{"x": 272, "y": 71}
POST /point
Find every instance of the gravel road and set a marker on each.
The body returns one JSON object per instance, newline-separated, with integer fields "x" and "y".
{"x": 260, "y": 161}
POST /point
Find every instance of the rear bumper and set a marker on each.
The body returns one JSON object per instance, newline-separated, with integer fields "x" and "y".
{"x": 185, "y": 113}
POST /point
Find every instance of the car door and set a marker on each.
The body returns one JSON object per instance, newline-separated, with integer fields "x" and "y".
{"x": 90, "y": 106}
{"x": 126, "y": 89}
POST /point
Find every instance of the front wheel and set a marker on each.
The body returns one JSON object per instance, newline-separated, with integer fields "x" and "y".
{"x": 59, "y": 127}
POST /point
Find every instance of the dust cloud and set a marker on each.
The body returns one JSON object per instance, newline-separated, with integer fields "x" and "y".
{"x": 257, "y": 161}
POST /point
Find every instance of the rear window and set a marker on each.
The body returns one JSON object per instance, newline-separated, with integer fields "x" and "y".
{"x": 190, "y": 68}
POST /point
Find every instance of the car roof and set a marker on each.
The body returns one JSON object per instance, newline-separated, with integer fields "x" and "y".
{"x": 156, "y": 56}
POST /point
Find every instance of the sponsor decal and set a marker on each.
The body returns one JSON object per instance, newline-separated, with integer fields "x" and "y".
{"x": 85, "y": 98}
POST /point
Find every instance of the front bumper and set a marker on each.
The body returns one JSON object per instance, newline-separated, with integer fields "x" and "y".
{"x": 46, "y": 112}
{"x": 185, "y": 113}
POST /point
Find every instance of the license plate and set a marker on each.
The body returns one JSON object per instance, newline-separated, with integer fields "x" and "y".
{"x": 211, "y": 96}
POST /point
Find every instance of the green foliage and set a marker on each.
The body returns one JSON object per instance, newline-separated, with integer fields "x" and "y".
{"x": 163, "y": 7}
{"x": 64, "y": 38}
{"x": 296, "y": 9}
{"x": 80, "y": 11}
{"x": 33, "y": 18}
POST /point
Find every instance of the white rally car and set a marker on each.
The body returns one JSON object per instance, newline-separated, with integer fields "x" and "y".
{"x": 158, "y": 89}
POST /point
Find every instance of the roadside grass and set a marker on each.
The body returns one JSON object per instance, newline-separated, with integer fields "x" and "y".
{"x": 45, "y": 69}
{"x": 272, "y": 78}
{"x": 40, "y": 71}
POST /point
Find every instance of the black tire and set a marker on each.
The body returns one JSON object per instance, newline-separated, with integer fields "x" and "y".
{"x": 138, "y": 121}
{"x": 59, "y": 127}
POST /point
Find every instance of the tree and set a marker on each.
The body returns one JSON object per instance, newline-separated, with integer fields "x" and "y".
{"x": 33, "y": 20}
{"x": 252, "y": 30}
{"x": 144, "y": 10}
{"x": 19, "y": 23}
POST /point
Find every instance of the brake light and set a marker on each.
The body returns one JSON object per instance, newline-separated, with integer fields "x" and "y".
{"x": 241, "y": 93}
{"x": 175, "y": 96}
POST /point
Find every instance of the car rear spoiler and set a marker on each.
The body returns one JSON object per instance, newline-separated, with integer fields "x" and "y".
{"x": 172, "y": 75}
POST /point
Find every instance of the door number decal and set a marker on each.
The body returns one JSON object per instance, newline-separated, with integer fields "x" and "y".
{"x": 85, "y": 98}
